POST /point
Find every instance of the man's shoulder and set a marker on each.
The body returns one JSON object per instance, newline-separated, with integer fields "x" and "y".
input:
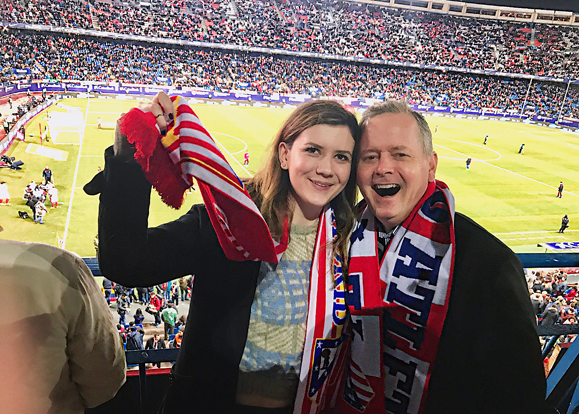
{"x": 475, "y": 241}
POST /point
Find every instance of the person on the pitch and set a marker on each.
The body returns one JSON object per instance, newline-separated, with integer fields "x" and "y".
{"x": 522, "y": 149}
{"x": 564, "y": 224}
{"x": 560, "y": 190}
{"x": 468, "y": 161}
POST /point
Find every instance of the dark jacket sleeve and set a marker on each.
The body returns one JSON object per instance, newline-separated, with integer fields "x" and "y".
{"x": 132, "y": 254}
{"x": 489, "y": 358}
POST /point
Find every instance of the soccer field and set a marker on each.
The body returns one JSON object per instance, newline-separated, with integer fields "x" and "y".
{"x": 510, "y": 194}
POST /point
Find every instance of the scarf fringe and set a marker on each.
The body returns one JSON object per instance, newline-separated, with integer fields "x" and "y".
{"x": 142, "y": 131}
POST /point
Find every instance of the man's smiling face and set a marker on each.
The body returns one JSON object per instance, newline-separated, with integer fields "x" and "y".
{"x": 393, "y": 170}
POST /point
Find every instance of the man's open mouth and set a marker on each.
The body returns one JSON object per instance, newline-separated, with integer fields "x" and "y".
{"x": 386, "y": 190}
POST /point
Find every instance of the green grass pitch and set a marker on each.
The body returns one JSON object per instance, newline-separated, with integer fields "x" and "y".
{"x": 510, "y": 194}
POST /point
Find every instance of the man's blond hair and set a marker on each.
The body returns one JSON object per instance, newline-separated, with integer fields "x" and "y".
{"x": 400, "y": 107}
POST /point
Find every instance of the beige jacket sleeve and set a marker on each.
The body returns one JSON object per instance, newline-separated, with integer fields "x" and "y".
{"x": 96, "y": 355}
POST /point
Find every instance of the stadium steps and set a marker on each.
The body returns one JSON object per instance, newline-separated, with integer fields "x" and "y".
{"x": 94, "y": 20}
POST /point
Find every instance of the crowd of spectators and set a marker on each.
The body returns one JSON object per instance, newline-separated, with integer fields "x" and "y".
{"x": 554, "y": 300}
{"x": 68, "y": 57}
{"x": 336, "y": 27}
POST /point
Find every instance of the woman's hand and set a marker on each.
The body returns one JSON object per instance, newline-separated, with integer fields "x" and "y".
{"x": 161, "y": 107}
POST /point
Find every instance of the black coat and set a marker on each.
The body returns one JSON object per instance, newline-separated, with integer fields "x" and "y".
{"x": 151, "y": 341}
{"x": 488, "y": 361}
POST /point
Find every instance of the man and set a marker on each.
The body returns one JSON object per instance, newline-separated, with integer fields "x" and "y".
{"x": 60, "y": 351}
{"x": 108, "y": 288}
{"x": 564, "y": 224}
{"x": 486, "y": 139}
{"x": 169, "y": 317}
{"x": 47, "y": 175}
{"x": 135, "y": 338}
{"x": 439, "y": 316}
{"x": 560, "y": 190}
{"x": 521, "y": 150}
{"x": 122, "y": 307}
{"x": 468, "y": 161}
{"x": 155, "y": 342}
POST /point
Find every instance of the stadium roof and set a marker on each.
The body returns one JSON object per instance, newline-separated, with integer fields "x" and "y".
{"x": 560, "y": 5}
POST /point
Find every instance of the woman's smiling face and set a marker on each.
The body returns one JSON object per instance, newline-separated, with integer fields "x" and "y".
{"x": 319, "y": 163}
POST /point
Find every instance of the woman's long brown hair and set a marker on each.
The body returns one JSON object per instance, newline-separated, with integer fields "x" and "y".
{"x": 270, "y": 187}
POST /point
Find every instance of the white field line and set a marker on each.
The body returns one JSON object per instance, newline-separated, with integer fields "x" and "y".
{"x": 231, "y": 136}
{"x": 573, "y": 146}
{"x": 540, "y": 132}
{"x": 81, "y": 138}
{"x": 477, "y": 145}
{"x": 509, "y": 171}
{"x": 527, "y": 232}
{"x": 534, "y": 238}
{"x": 114, "y": 113}
{"x": 231, "y": 155}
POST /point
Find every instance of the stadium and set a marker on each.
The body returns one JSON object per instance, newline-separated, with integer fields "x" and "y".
{"x": 498, "y": 85}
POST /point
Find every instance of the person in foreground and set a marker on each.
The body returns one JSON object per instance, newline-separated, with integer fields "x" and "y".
{"x": 60, "y": 351}
{"x": 441, "y": 314}
{"x": 243, "y": 344}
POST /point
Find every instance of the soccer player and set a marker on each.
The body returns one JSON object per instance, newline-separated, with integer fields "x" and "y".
{"x": 521, "y": 150}
{"x": 486, "y": 139}
{"x": 468, "y": 161}
{"x": 560, "y": 190}
{"x": 99, "y": 123}
{"x": 246, "y": 158}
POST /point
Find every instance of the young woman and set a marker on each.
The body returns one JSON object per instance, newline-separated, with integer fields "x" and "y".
{"x": 139, "y": 317}
{"x": 244, "y": 337}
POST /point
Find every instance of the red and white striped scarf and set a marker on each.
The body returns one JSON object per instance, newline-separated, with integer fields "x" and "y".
{"x": 188, "y": 151}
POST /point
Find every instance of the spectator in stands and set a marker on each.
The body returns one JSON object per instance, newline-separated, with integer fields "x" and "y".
{"x": 176, "y": 343}
{"x": 169, "y": 316}
{"x": 155, "y": 342}
{"x": 122, "y": 333}
{"x": 122, "y": 307}
{"x": 183, "y": 287}
{"x": 155, "y": 306}
{"x": 135, "y": 338}
{"x": 60, "y": 351}
{"x": 108, "y": 288}
{"x": 536, "y": 301}
{"x": 408, "y": 214}
{"x": 139, "y": 317}
{"x": 221, "y": 318}
{"x": 143, "y": 295}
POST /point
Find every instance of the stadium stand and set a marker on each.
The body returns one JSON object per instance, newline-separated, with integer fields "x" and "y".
{"x": 330, "y": 27}
{"x": 69, "y": 57}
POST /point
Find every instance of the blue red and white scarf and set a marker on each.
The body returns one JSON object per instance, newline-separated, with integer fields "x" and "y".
{"x": 398, "y": 307}
{"x": 170, "y": 163}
